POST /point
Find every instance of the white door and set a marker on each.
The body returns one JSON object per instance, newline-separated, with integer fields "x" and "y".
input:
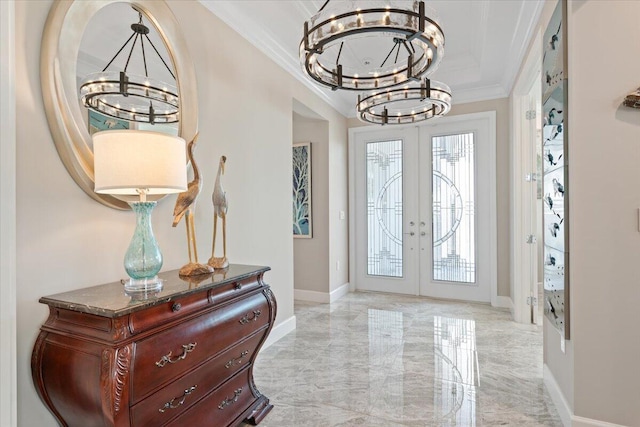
{"x": 424, "y": 208}
{"x": 386, "y": 209}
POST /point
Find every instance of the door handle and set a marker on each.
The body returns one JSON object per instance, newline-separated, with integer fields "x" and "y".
{"x": 412, "y": 233}
{"x": 423, "y": 233}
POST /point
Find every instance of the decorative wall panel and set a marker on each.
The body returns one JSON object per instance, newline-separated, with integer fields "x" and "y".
{"x": 555, "y": 172}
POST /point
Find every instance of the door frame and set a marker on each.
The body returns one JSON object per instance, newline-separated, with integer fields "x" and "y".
{"x": 490, "y": 116}
{"x": 520, "y": 264}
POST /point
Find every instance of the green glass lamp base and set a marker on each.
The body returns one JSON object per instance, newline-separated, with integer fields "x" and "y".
{"x": 148, "y": 285}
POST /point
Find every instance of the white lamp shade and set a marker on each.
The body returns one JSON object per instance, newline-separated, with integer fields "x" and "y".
{"x": 128, "y": 160}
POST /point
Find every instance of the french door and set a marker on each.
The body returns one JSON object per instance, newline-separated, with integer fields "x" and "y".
{"x": 423, "y": 203}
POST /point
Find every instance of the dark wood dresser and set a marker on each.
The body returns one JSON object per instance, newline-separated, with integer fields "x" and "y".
{"x": 182, "y": 357}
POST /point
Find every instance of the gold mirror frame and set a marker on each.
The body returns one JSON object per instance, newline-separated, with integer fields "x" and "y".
{"x": 61, "y": 40}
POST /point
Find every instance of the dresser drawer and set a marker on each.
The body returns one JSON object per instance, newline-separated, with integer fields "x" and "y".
{"x": 168, "y": 354}
{"x": 177, "y": 397}
{"x": 223, "y": 405}
{"x": 231, "y": 290}
{"x": 168, "y": 311}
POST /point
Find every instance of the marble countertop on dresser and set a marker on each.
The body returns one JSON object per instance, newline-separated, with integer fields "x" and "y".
{"x": 110, "y": 300}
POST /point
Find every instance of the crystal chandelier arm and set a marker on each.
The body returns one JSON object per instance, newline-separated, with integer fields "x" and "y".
{"x": 144, "y": 57}
{"x": 118, "y": 53}
{"x": 323, "y": 6}
{"x": 395, "y": 44}
{"x": 160, "y": 56}
{"x": 339, "y": 52}
{"x": 404, "y": 43}
{"x": 130, "y": 52}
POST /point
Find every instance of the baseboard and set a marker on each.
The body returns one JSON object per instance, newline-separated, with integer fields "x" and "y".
{"x": 557, "y": 396}
{"x": 503, "y": 302}
{"x": 565, "y": 412}
{"x": 321, "y": 297}
{"x": 336, "y": 294}
{"x": 588, "y": 422}
{"x": 311, "y": 296}
{"x": 279, "y": 331}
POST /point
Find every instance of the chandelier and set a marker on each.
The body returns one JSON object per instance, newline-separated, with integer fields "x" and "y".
{"x": 336, "y": 49}
{"x": 132, "y": 97}
{"x": 408, "y": 104}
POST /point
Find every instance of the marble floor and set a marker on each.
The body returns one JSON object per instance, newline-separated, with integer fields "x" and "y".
{"x": 384, "y": 360}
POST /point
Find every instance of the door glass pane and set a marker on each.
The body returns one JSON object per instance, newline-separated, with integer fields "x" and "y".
{"x": 384, "y": 208}
{"x": 454, "y": 257}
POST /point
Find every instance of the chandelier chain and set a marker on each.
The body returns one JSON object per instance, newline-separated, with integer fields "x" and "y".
{"x": 324, "y": 5}
{"x": 118, "y": 52}
{"x": 131, "y": 52}
{"x": 144, "y": 57}
{"x": 160, "y": 56}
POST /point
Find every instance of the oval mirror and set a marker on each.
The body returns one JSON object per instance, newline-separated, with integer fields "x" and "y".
{"x": 71, "y": 124}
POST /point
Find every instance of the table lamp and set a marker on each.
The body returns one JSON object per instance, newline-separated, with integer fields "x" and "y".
{"x": 134, "y": 162}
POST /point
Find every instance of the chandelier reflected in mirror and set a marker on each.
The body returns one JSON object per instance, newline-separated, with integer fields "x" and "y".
{"x": 129, "y": 96}
{"x": 337, "y": 49}
{"x": 404, "y": 105}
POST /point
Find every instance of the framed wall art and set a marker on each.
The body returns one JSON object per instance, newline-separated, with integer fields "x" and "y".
{"x": 302, "y": 190}
{"x": 555, "y": 171}
{"x": 98, "y": 122}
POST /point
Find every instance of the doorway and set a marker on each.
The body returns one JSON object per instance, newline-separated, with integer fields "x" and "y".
{"x": 526, "y": 195}
{"x": 424, "y": 217}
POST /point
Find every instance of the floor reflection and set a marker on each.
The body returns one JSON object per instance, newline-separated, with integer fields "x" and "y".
{"x": 456, "y": 371}
{"x": 391, "y": 361}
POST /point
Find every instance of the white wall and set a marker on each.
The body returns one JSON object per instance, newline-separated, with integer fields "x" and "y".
{"x": 559, "y": 363}
{"x": 8, "y": 398}
{"x": 501, "y": 107}
{"x": 596, "y": 375}
{"x": 68, "y": 241}
{"x": 311, "y": 256}
{"x": 338, "y": 202}
{"x": 604, "y": 179}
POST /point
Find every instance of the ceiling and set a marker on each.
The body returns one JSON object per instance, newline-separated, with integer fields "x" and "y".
{"x": 485, "y": 41}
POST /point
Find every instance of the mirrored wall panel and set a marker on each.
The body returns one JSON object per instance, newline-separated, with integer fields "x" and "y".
{"x": 555, "y": 173}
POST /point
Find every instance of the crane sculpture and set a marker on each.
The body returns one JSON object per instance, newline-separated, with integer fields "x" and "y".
{"x": 185, "y": 206}
{"x": 220, "y": 207}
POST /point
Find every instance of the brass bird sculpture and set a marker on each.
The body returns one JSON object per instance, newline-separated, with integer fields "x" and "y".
{"x": 220, "y": 207}
{"x": 185, "y": 206}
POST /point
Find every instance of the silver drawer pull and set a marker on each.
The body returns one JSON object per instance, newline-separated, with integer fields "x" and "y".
{"x": 172, "y": 405}
{"x": 245, "y": 319}
{"x": 229, "y": 400}
{"x": 186, "y": 348}
{"x": 237, "y": 360}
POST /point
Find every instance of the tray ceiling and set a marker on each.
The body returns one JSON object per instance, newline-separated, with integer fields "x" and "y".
{"x": 485, "y": 41}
